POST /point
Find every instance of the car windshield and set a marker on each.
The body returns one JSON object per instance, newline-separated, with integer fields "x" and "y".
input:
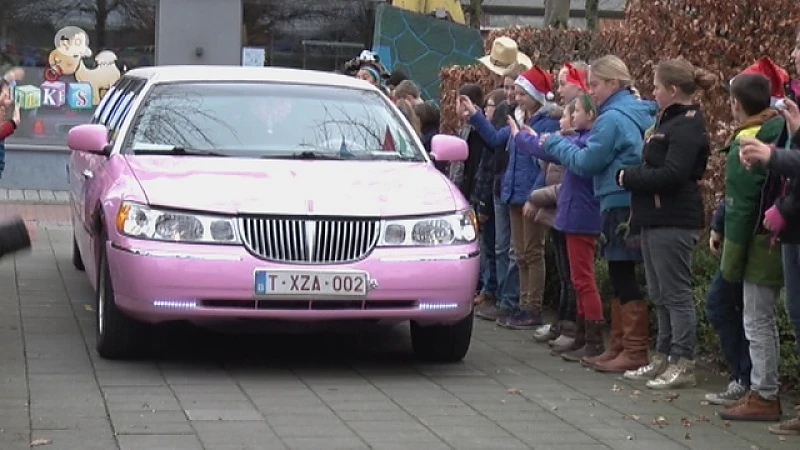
{"x": 270, "y": 120}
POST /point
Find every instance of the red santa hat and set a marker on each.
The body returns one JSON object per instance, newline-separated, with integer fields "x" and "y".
{"x": 576, "y": 77}
{"x": 537, "y": 83}
{"x": 776, "y": 75}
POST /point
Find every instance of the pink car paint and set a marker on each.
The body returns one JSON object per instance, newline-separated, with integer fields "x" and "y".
{"x": 156, "y": 281}
{"x": 90, "y": 138}
{"x": 448, "y": 148}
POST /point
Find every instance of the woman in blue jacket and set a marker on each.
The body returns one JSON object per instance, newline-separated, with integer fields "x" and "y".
{"x": 523, "y": 174}
{"x": 615, "y": 141}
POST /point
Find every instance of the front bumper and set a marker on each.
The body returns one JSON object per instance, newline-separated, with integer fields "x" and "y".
{"x": 157, "y": 282}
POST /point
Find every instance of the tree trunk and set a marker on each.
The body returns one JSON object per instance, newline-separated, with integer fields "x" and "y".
{"x": 100, "y": 26}
{"x": 591, "y": 14}
{"x": 556, "y": 13}
{"x": 475, "y": 13}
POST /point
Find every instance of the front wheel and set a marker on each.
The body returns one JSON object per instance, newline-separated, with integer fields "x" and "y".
{"x": 442, "y": 343}
{"x": 118, "y": 336}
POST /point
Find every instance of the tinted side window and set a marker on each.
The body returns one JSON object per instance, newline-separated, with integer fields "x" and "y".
{"x": 113, "y": 101}
{"x": 122, "y": 106}
{"x": 103, "y": 104}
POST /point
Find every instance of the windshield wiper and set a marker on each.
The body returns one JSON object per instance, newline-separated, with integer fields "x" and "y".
{"x": 390, "y": 156}
{"x": 174, "y": 150}
{"x": 305, "y": 154}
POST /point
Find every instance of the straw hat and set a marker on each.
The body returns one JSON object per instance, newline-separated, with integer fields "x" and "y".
{"x": 504, "y": 56}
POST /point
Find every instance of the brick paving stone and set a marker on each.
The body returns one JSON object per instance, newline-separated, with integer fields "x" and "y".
{"x": 210, "y": 391}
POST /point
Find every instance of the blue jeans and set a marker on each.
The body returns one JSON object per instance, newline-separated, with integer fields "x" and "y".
{"x": 488, "y": 277}
{"x": 725, "y": 310}
{"x": 791, "y": 269}
{"x": 507, "y": 270}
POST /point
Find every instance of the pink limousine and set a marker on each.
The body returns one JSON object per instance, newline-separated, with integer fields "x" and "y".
{"x": 269, "y": 194}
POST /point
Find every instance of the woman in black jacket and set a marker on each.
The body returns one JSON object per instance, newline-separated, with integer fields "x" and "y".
{"x": 667, "y": 204}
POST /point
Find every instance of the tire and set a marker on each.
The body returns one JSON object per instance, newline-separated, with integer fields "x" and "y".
{"x": 77, "y": 261}
{"x": 442, "y": 343}
{"x": 118, "y": 336}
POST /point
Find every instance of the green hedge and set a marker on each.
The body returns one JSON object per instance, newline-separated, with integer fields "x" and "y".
{"x": 705, "y": 266}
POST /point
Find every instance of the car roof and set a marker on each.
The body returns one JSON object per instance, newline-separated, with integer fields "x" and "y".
{"x": 171, "y": 74}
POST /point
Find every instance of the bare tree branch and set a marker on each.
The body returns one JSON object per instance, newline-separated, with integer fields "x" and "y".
{"x": 137, "y": 13}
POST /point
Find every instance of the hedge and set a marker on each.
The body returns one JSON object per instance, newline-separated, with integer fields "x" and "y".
{"x": 722, "y": 37}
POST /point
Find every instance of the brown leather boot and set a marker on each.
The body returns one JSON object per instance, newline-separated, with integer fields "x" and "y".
{"x": 593, "y": 342}
{"x": 754, "y": 408}
{"x": 615, "y": 338}
{"x": 635, "y": 333}
{"x": 578, "y": 342}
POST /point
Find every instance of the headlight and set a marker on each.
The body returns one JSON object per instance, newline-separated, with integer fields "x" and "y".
{"x": 451, "y": 229}
{"x": 143, "y": 222}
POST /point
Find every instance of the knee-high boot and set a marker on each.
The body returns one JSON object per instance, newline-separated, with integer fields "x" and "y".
{"x": 615, "y": 338}
{"x": 635, "y": 339}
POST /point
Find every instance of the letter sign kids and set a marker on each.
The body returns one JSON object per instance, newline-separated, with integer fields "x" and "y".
{"x": 54, "y": 94}
{"x": 79, "y": 96}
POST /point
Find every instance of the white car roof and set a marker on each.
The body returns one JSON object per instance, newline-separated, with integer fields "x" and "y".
{"x": 168, "y": 74}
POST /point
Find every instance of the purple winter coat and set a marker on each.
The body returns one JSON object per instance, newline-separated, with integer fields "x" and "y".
{"x": 577, "y": 208}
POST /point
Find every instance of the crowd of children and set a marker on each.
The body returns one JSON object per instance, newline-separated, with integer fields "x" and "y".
{"x": 605, "y": 173}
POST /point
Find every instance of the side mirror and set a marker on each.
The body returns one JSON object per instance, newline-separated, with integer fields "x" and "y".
{"x": 446, "y": 148}
{"x": 90, "y": 138}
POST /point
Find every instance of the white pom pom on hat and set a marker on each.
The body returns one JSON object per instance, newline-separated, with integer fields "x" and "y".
{"x": 550, "y": 96}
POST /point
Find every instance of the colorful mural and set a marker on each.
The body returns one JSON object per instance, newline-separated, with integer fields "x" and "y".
{"x": 74, "y": 78}
{"x": 421, "y": 45}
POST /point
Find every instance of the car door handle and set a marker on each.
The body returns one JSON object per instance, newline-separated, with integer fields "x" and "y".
{"x": 87, "y": 174}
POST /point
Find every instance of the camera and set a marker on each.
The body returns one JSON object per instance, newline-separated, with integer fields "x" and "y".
{"x": 780, "y": 103}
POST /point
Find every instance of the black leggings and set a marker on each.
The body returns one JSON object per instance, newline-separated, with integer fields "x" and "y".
{"x": 623, "y": 279}
{"x": 567, "y": 306}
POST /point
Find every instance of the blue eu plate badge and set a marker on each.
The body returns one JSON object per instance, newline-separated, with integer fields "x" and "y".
{"x": 261, "y": 282}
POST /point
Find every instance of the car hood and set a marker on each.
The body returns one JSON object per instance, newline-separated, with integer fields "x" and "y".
{"x": 264, "y": 186}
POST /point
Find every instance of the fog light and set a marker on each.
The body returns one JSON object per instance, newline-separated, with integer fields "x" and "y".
{"x": 175, "y": 304}
{"x": 438, "y": 306}
{"x": 395, "y": 234}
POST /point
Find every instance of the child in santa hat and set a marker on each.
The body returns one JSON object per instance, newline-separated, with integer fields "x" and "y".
{"x": 561, "y": 334}
{"x": 578, "y": 222}
{"x": 533, "y": 90}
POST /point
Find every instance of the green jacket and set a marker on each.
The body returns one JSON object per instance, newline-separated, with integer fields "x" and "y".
{"x": 747, "y": 253}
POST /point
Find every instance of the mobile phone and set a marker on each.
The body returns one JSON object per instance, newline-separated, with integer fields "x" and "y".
{"x": 788, "y": 92}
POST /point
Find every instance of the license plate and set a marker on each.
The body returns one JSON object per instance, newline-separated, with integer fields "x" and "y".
{"x": 310, "y": 283}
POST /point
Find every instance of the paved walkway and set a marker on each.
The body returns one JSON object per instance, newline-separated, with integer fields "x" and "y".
{"x": 203, "y": 390}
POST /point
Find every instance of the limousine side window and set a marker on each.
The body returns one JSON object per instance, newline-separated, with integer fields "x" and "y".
{"x": 122, "y": 106}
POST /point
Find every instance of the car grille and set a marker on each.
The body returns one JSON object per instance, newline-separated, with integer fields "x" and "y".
{"x": 314, "y": 241}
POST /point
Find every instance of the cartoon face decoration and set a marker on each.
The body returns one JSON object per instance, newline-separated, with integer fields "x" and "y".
{"x": 72, "y": 41}
{"x": 67, "y": 63}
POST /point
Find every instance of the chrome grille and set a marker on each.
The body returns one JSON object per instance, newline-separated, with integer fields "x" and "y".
{"x": 314, "y": 241}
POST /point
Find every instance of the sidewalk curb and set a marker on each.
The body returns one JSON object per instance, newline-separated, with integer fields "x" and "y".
{"x": 34, "y": 197}
{"x": 34, "y": 202}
